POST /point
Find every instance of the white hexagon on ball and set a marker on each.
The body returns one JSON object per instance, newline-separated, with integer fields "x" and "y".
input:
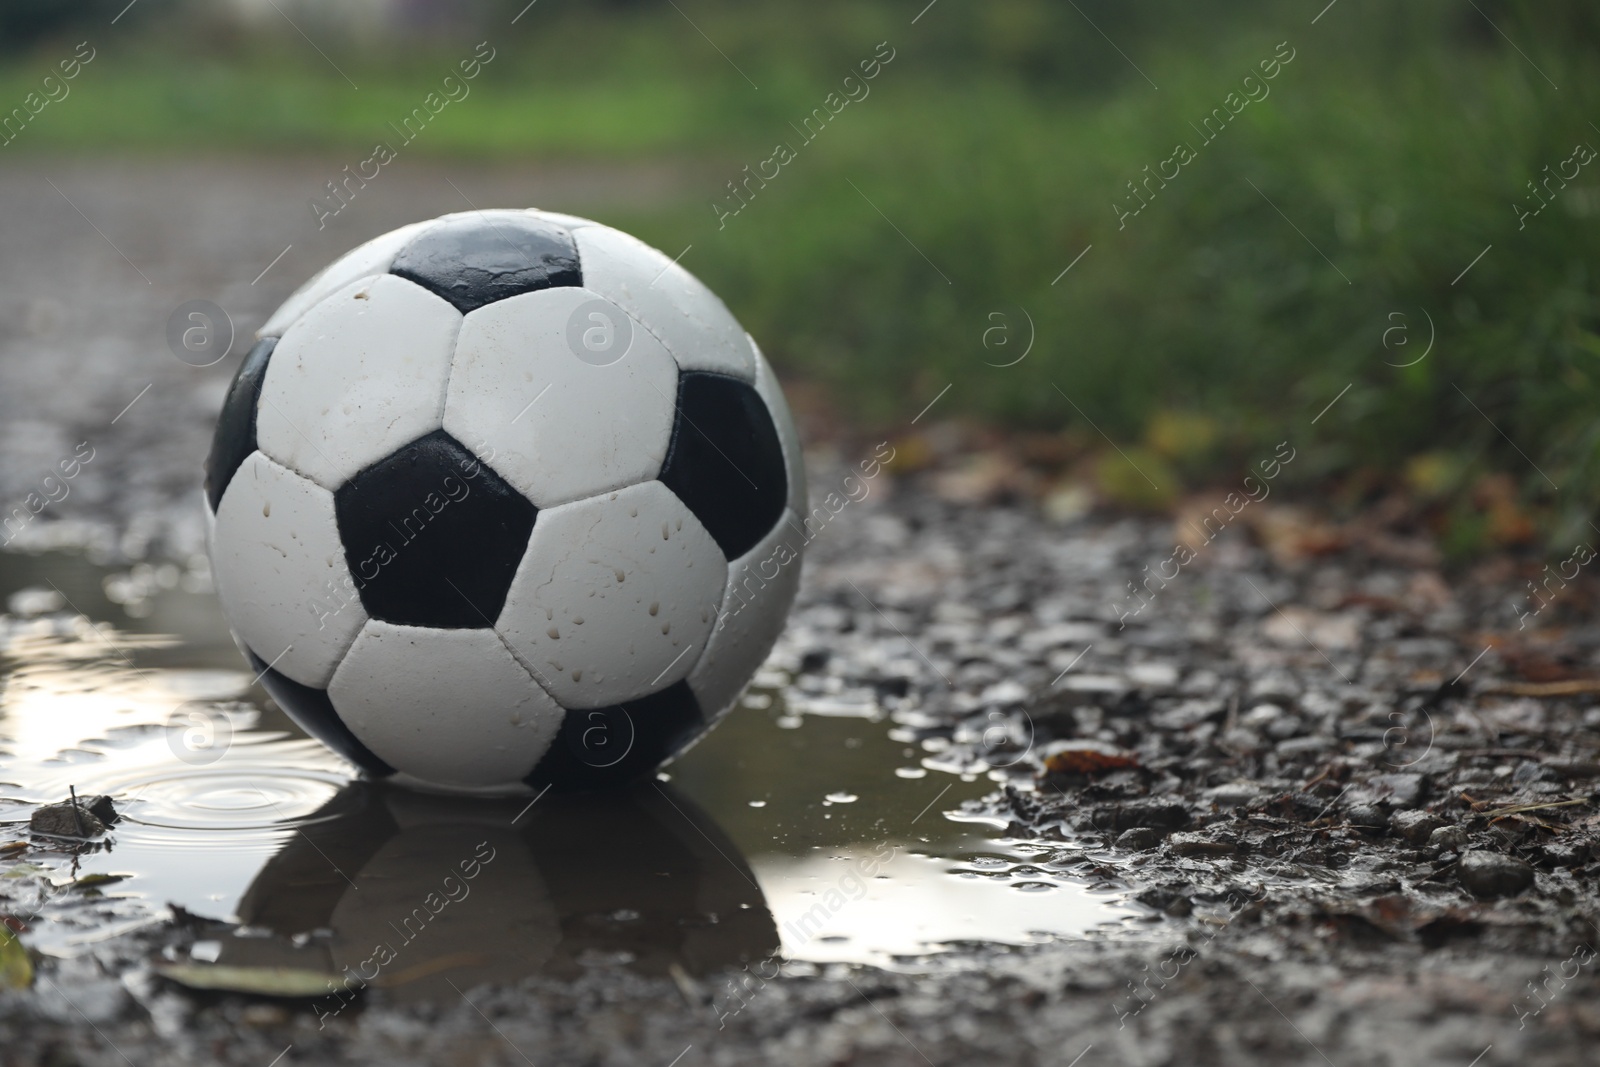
{"x": 360, "y": 374}
{"x": 691, "y": 321}
{"x": 557, "y": 425}
{"x": 280, "y": 571}
{"x": 452, "y": 707}
{"x": 615, "y": 597}
{"x": 365, "y": 261}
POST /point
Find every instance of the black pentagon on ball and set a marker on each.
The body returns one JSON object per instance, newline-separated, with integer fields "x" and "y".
{"x": 432, "y": 535}
{"x": 725, "y": 460}
{"x": 600, "y": 748}
{"x": 473, "y": 260}
{"x": 235, "y": 436}
{"x": 314, "y": 712}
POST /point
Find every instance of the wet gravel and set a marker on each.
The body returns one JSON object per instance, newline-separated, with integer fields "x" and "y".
{"x": 1350, "y": 850}
{"x": 1356, "y": 801}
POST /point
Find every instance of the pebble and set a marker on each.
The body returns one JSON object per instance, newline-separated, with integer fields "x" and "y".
{"x": 1141, "y": 838}
{"x": 1397, "y": 790}
{"x": 1367, "y": 818}
{"x": 1415, "y": 826}
{"x": 1490, "y": 874}
{"x": 1191, "y": 844}
{"x": 1159, "y": 814}
{"x": 89, "y": 819}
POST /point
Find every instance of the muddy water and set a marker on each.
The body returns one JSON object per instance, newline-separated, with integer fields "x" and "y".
{"x": 814, "y": 837}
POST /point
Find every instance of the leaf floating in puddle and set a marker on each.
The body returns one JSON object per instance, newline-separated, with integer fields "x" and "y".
{"x": 260, "y": 981}
{"x": 16, "y": 969}
{"x": 90, "y": 881}
{"x": 1089, "y": 758}
{"x": 22, "y": 870}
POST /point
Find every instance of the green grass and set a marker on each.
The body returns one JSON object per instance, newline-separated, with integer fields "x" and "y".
{"x": 997, "y": 140}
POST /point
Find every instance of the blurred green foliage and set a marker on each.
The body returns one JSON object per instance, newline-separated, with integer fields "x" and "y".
{"x": 1253, "y": 288}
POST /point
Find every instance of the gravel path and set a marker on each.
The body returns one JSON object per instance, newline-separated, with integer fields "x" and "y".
{"x": 1356, "y": 798}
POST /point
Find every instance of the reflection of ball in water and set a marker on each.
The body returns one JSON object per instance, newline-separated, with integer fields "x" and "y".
{"x": 503, "y": 500}
{"x": 409, "y": 893}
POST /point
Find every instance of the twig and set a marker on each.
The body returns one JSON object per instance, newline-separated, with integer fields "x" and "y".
{"x": 1517, "y": 809}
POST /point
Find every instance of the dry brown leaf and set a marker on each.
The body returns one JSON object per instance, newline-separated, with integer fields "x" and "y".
{"x": 1089, "y": 758}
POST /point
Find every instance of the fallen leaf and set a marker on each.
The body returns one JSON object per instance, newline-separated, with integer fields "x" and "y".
{"x": 16, "y": 969}
{"x": 1294, "y": 627}
{"x": 22, "y": 870}
{"x": 260, "y": 981}
{"x": 1088, "y": 757}
{"x": 89, "y": 881}
{"x": 1291, "y": 534}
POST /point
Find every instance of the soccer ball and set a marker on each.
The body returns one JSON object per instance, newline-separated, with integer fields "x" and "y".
{"x": 503, "y": 501}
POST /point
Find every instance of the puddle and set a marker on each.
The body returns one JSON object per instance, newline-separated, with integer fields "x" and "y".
{"x": 813, "y": 836}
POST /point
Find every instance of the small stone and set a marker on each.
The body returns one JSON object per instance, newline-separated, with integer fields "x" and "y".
{"x": 1191, "y": 844}
{"x": 1414, "y": 825}
{"x": 100, "y": 807}
{"x": 1490, "y": 874}
{"x": 65, "y": 820}
{"x": 1241, "y": 741}
{"x": 1158, "y": 814}
{"x": 1568, "y": 853}
{"x": 1367, "y": 818}
{"x": 1448, "y": 838}
{"x": 1141, "y": 838}
{"x": 1397, "y": 790}
{"x": 1296, "y": 747}
{"x": 1232, "y": 794}
{"x": 1274, "y": 688}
